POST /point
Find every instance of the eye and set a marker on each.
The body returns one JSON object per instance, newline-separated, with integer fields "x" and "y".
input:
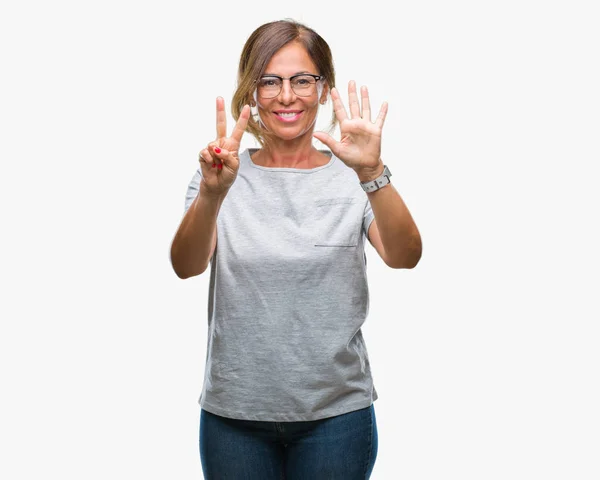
{"x": 269, "y": 82}
{"x": 303, "y": 81}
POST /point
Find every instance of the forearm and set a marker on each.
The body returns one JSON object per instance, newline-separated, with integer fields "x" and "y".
{"x": 193, "y": 244}
{"x": 399, "y": 234}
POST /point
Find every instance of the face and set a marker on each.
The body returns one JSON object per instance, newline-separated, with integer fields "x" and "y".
{"x": 291, "y": 60}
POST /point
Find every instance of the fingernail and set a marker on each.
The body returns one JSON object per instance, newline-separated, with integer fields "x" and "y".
{"x": 220, "y": 166}
{"x": 217, "y": 149}
{"x": 214, "y": 164}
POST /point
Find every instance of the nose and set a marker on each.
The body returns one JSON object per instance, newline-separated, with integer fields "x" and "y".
{"x": 286, "y": 95}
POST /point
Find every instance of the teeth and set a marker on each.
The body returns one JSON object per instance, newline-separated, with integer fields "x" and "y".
{"x": 288, "y": 115}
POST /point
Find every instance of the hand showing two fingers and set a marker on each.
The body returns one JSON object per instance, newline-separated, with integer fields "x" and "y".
{"x": 219, "y": 161}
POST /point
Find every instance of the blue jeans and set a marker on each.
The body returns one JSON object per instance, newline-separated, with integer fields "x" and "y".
{"x": 343, "y": 447}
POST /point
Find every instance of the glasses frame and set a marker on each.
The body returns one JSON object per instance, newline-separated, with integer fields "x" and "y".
{"x": 316, "y": 77}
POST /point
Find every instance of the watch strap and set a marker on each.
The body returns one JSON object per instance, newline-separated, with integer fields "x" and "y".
{"x": 381, "y": 181}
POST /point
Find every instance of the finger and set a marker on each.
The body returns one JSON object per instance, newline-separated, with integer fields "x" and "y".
{"x": 338, "y": 106}
{"x": 382, "y": 114}
{"x": 328, "y": 140}
{"x": 366, "y": 105}
{"x": 213, "y": 159}
{"x": 206, "y": 158}
{"x": 215, "y": 150}
{"x": 353, "y": 100}
{"x": 240, "y": 126}
{"x": 211, "y": 147}
{"x": 220, "y": 153}
{"x": 221, "y": 156}
{"x": 221, "y": 118}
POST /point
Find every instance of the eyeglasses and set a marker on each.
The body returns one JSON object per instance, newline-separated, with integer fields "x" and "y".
{"x": 303, "y": 84}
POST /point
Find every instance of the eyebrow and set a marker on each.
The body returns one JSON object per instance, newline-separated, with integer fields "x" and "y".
{"x": 275, "y": 75}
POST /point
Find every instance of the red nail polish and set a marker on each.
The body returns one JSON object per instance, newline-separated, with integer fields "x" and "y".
{"x": 217, "y": 149}
{"x": 214, "y": 165}
{"x": 220, "y": 166}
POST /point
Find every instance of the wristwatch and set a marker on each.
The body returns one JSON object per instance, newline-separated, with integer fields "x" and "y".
{"x": 379, "y": 182}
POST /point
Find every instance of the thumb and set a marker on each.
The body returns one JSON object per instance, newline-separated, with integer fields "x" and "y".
{"x": 327, "y": 140}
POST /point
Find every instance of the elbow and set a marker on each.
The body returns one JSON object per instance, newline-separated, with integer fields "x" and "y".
{"x": 413, "y": 260}
{"x": 175, "y": 264}
{"x": 179, "y": 271}
{"x": 414, "y": 253}
{"x": 411, "y": 255}
{"x": 182, "y": 268}
{"x": 180, "y": 274}
{"x": 408, "y": 262}
{"x": 183, "y": 274}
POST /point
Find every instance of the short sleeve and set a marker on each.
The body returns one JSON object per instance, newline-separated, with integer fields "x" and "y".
{"x": 192, "y": 190}
{"x": 368, "y": 217}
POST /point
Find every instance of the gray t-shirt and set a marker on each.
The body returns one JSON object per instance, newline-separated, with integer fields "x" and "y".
{"x": 288, "y": 295}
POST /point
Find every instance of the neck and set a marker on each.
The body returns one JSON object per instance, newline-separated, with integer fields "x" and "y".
{"x": 296, "y": 153}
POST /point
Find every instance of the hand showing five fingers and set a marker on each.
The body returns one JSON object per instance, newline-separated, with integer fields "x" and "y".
{"x": 360, "y": 144}
{"x": 219, "y": 161}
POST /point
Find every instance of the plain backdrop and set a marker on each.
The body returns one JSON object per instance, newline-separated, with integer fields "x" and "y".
{"x": 485, "y": 356}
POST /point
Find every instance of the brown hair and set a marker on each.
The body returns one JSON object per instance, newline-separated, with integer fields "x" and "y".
{"x": 262, "y": 44}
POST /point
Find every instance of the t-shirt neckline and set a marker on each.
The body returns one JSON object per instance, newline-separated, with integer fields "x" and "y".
{"x": 249, "y": 151}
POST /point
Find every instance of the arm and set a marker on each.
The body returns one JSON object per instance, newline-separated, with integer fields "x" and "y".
{"x": 399, "y": 241}
{"x": 393, "y": 233}
{"x": 196, "y": 238}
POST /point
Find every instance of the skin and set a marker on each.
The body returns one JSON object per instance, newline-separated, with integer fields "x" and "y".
{"x": 219, "y": 167}
{"x": 293, "y": 145}
{"x": 360, "y": 144}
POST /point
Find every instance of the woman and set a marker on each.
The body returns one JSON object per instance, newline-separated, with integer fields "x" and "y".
{"x": 288, "y": 390}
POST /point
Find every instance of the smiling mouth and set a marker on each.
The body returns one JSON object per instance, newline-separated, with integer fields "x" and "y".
{"x": 288, "y": 117}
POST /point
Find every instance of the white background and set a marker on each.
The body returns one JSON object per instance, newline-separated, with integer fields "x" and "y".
{"x": 485, "y": 355}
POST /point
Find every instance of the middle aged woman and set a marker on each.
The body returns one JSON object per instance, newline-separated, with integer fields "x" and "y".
{"x": 288, "y": 388}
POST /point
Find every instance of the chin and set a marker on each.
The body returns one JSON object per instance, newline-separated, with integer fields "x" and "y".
{"x": 289, "y": 135}
{"x": 291, "y": 132}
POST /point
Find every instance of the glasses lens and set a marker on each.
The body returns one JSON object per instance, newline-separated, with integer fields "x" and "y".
{"x": 303, "y": 85}
{"x": 269, "y": 87}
